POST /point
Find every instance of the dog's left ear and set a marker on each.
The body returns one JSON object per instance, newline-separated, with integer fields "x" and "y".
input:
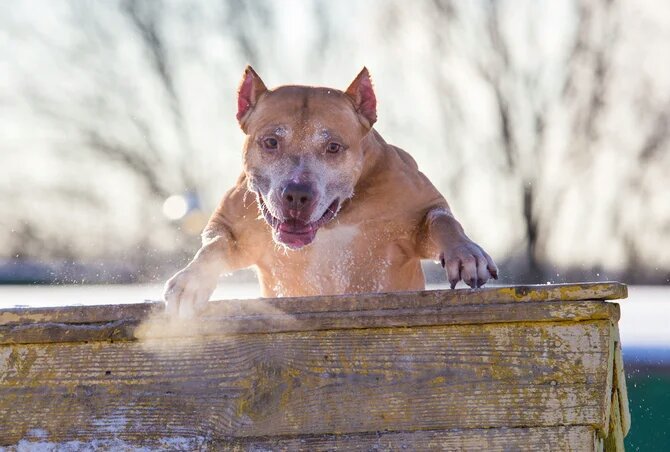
{"x": 363, "y": 95}
{"x": 251, "y": 89}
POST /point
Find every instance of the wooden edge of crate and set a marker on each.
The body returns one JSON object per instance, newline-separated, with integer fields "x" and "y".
{"x": 356, "y": 302}
{"x": 332, "y": 303}
{"x": 620, "y": 384}
{"x": 616, "y": 416}
{"x": 614, "y": 439}
{"x": 265, "y": 320}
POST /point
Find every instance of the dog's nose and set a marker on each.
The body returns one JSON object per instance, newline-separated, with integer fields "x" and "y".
{"x": 297, "y": 195}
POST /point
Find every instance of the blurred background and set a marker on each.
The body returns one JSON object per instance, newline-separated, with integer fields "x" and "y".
{"x": 546, "y": 125}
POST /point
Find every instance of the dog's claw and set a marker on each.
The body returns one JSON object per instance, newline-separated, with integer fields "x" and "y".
{"x": 468, "y": 262}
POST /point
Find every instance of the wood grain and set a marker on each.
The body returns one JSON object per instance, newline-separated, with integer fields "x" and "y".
{"x": 79, "y": 314}
{"x": 620, "y": 382}
{"x": 614, "y": 440}
{"x": 268, "y": 320}
{"x": 348, "y": 303}
{"x": 578, "y": 438}
{"x": 312, "y": 382}
{"x": 521, "y": 367}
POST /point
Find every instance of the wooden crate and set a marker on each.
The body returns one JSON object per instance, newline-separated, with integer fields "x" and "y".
{"x": 506, "y": 368}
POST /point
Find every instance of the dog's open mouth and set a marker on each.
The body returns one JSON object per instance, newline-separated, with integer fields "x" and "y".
{"x": 293, "y": 232}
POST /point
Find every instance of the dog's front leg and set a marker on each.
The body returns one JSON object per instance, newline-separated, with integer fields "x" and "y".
{"x": 190, "y": 288}
{"x": 460, "y": 257}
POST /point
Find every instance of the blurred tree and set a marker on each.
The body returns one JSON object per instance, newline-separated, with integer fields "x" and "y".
{"x": 551, "y": 111}
{"x": 545, "y": 123}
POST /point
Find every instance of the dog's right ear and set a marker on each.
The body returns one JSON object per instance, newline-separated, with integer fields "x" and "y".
{"x": 251, "y": 89}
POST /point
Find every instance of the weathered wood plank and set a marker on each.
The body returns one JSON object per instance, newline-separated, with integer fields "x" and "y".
{"x": 578, "y": 438}
{"x": 313, "y": 382}
{"x": 79, "y": 314}
{"x": 606, "y": 394}
{"x": 359, "y": 302}
{"x": 620, "y": 382}
{"x": 614, "y": 440}
{"x": 260, "y": 318}
{"x": 36, "y": 333}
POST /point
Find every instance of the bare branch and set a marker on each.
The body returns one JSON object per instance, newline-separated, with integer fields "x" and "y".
{"x": 129, "y": 157}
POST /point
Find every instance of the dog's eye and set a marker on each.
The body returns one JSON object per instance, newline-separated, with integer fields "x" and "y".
{"x": 333, "y": 147}
{"x": 270, "y": 143}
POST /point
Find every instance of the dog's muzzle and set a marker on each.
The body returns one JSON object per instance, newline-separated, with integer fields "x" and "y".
{"x": 295, "y": 230}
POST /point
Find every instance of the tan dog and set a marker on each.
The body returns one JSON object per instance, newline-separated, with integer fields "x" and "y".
{"x": 325, "y": 205}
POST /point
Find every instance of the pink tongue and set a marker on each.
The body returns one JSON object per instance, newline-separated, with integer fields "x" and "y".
{"x": 295, "y": 227}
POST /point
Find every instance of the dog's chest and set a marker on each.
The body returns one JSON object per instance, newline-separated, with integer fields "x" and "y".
{"x": 342, "y": 259}
{"x": 333, "y": 258}
{"x": 336, "y": 239}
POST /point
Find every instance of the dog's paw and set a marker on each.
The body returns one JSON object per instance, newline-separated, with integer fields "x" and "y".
{"x": 188, "y": 291}
{"x": 467, "y": 261}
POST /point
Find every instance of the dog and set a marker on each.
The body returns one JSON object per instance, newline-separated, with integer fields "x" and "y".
{"x": 324, "y": 205}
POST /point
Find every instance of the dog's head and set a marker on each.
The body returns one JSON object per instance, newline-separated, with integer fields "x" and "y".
{"x": 303, "y": 152}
